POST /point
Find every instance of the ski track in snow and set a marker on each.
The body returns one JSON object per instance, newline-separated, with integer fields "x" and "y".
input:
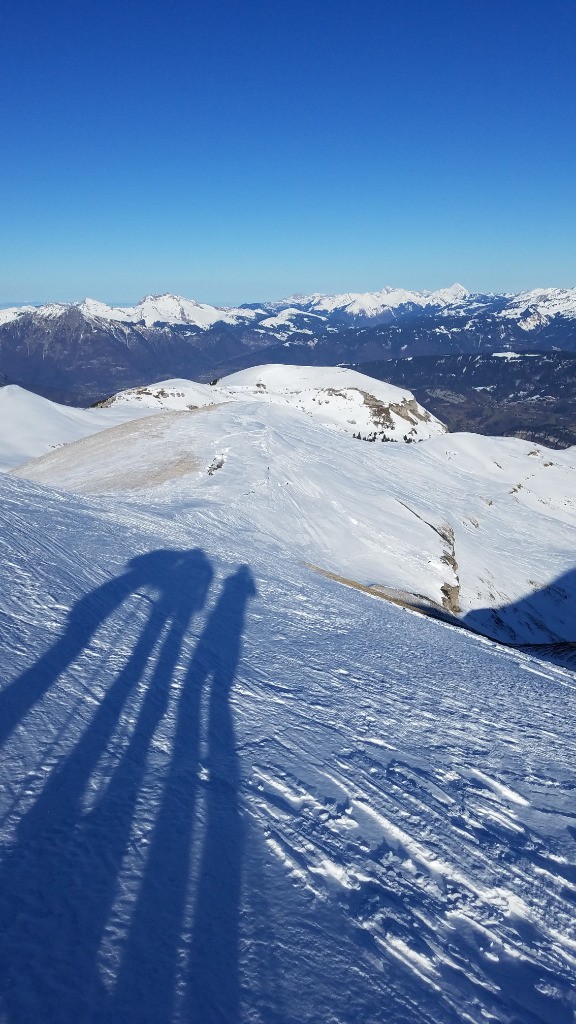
{"x": 270, "y": 802}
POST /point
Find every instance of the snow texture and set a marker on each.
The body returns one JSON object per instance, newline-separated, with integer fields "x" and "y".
{"x": 235, "y": 791}
{"x": 430, "y": 523}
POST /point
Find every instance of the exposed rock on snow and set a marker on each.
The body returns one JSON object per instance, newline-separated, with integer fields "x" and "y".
{"x": 339, "y": 398}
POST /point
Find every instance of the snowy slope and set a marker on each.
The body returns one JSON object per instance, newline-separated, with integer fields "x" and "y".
{"x": 31, "y": 425}
{"x": 235, "y": 792}
{"x": 166, "y": 394}
{"x": 482, "y": 527}
{"x": 341, "y": 399}
{"x": 14, "y": 312}
{"x": 534, "y": 308}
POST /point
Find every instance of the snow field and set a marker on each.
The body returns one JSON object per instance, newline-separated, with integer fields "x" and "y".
{"x": 30, "y": 425}
{"x": 233, "y": 790}
{"x": 433, "y": 520}
{"x": 250, "y": 794}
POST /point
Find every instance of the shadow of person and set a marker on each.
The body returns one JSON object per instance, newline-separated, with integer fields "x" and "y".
{"x": 150, "y": 987}
{"x": 59, "y": 882}
{"x": 147, "y": 573}
{"x": 213, "y": 990}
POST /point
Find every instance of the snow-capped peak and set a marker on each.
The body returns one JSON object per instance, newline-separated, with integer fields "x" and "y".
{"x": 166, "y": 308}
{"x": 94, "y": 308}
{"x": 371, "y": 304}
{"x": 14, "y": 313}
{"x": 454, "y": 293}
{"x": 540, "y": 305}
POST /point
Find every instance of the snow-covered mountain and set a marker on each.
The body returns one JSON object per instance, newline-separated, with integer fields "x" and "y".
{"x": 370, "y": 305}
{"x": 150, "y": 311}
{"x": 238, "y": 786}
{"x": 430, "y": 523}
{"x": 342, "y": 399}
{"x": 81, "y": 352}
{"x": 539, "y": 306}
{"x": 350, "y": 307}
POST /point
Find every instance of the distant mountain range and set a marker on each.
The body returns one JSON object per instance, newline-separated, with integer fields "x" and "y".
{"x": 81, "y": 352}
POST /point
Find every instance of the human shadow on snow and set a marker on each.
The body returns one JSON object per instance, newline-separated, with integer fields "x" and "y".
{"x": 60, "y": 881}
{"x": 88, "y": 614}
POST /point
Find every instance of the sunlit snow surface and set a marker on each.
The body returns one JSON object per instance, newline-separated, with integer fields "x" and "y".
{"x": 235, "y": 791}
{"x": 492, "y": 518}
{"x": 341, "y": 399}
{"x": 31, "y": 426}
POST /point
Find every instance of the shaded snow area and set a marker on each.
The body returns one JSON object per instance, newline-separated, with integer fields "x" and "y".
{"x": 236, "y": 791}
{"x": 244, "y": 780}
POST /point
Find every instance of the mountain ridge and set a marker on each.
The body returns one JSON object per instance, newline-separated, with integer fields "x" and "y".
{"x": 172, "y": 308}
{"x": 82, "y": 352}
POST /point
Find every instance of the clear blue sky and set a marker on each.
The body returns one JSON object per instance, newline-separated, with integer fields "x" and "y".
{"x": 236, "y": 151}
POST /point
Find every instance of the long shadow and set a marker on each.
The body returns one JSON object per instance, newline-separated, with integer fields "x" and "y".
{"x": 88, "y": 614}
{"x": 548, "y": 612}
{"x": 58, "y": 883}
{"x": 213, "y": 989}
{"x": 149, "y": 986}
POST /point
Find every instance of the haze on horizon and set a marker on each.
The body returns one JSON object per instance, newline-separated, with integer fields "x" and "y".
{"x": 240, "y": 154}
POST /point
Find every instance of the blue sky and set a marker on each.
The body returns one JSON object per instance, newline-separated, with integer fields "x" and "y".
{"x": 237, "y": 151}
